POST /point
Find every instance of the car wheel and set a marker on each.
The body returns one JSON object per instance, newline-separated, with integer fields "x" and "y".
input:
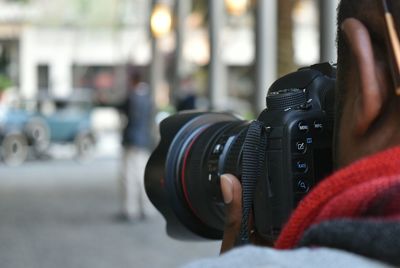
{"x": 14, "y": 149}
{"x": 38, "y": 134}
{"x": 85, "y": 146}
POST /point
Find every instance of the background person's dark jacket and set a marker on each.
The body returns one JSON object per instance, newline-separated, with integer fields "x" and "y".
{"x": 138, "y": 111}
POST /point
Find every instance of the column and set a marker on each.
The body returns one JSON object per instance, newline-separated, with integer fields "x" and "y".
{"x": 328, "y": 30}
{"x": 216, "y": 85}
{"x": 266, "y": 49}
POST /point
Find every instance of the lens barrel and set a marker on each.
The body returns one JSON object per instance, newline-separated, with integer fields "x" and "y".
{"x": 182, "y": 175}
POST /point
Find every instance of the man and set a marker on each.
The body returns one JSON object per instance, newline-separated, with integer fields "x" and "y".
{"x": 186, "y": 99}
{"x": 352, "y": 218}
{"x": 136, "y": 141}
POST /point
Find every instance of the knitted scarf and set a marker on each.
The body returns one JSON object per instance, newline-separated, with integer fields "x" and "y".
{"x": 356, "y": 209}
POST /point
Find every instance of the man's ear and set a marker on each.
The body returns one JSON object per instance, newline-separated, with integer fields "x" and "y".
{"x": 372, "y": 92}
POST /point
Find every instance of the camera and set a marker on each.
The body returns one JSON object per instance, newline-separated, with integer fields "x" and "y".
{"x": 294, "y": 152}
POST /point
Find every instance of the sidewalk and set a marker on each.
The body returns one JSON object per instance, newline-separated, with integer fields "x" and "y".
{"x": 62, "y": 214}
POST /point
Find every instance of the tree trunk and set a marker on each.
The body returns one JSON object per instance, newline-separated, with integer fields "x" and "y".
{"x": 286, "y": 62}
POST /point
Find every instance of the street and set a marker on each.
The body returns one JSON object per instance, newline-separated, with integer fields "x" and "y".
{"x": 59, "y": 213}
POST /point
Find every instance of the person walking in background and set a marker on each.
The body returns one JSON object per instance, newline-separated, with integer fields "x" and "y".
{"x": 186, "y": 99}
{"x": 136, "y": 140}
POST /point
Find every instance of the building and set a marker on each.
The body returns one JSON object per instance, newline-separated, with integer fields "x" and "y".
{"x": 57, "y": 46}
{"x": 60, "y": 45}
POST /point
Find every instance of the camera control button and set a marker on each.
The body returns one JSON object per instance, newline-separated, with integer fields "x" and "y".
{"x": 302, "y": 186}
{"x": 303, "y": 126}
{"x": 318, "y": 125}
{"x": 301, "y": 166}
{"x": 218, "y": 149}
{"x": 301, "y": 147}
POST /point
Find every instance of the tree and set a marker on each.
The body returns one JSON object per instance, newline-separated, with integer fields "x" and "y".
{"x": 286, "y": 62}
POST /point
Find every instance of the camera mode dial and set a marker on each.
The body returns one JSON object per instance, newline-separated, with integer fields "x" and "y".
{"x": 285, "y": 99}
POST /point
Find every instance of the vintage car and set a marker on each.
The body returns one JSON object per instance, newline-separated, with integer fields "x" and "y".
{"x": 13, "y": 139}
{"x": 24, "y": 133}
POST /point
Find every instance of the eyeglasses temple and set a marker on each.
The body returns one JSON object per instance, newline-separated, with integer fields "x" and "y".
{"x": 394, "y": 41}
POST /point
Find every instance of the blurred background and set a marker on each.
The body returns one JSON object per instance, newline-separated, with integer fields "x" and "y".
{"x": 65, "y": 70}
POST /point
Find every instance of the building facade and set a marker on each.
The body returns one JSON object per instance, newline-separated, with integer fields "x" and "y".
{"x": 51, "y": 46}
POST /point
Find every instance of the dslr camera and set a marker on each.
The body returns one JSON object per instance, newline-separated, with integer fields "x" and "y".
{"x": 279, "y": 157}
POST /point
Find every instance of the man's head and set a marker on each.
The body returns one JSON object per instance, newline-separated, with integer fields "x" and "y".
{"x": 368, "y": 111}
{"x": 135, "y": 79}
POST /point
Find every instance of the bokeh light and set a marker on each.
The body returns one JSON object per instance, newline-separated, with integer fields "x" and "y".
{"x": 161, "y": 20}
{"x": 236, "y": 7}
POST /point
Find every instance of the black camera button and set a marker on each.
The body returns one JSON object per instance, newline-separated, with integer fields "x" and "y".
{"x": 302, "y": 186}
{"x": 303, "y": 127}
{"x": 301, "y": 147}
{"x": 218, "y": 149}
{"x": 300, "y": 166}
{"x": 212, "y": 177}
{"x": 318, "y": 125}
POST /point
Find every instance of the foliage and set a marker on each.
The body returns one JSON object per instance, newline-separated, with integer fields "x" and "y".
{"x": 19, "y": 1}
{"x": 5, "y": 82}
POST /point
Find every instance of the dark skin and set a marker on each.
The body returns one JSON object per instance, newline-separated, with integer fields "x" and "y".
{"x": 370, "y": 120}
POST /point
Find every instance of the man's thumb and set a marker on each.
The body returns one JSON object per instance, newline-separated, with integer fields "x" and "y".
{"x": 232, "y": 194}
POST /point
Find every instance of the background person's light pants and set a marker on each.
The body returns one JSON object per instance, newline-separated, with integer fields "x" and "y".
{"x": 135, "y": 203}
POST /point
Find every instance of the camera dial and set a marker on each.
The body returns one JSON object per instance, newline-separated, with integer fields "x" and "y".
{"x": 286, "y": 99}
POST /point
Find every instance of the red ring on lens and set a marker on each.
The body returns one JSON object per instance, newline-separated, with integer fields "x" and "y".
{"x": 183, "y": 178}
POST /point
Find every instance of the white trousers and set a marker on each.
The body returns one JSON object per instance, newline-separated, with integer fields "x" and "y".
{"x": 134, "y": 201}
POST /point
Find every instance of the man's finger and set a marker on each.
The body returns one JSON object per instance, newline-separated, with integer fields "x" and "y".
{"x": 232, "y": 194}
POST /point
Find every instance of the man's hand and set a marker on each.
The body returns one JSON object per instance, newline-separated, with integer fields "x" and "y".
{"x": 232, "y": 194}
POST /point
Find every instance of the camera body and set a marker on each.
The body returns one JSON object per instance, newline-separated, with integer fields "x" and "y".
{"x": 299, "y": 147}
{"x": 182, "y": 175}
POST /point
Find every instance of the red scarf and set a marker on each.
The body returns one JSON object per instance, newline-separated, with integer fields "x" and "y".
{"x": 369, "y": 188}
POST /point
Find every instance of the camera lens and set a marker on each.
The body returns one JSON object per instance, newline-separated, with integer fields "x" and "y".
{"x": 182, "y": 176}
